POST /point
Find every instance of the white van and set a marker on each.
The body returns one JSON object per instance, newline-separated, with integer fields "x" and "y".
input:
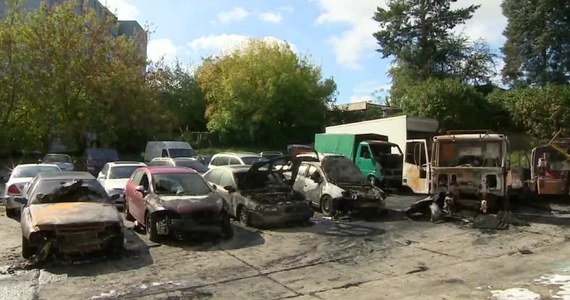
{"x": 170, "y": 149}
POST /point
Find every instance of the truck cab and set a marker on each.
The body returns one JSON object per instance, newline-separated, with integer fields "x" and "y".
{"x": 471, "y": 167}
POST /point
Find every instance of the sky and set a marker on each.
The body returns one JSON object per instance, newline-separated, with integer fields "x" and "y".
{"x": 335, "y": 34}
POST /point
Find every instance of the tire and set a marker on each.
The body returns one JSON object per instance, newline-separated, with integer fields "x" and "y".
{"x": 244, "y": 216}
{"x": 151, "y": 230}
{"x": 227, "y": 229}
{"x": 11, "y": 213}
{"x": 115, "y": 247}
{"x": 27, "y": 251}
{"x": 372, "y": 180}
{"x": 127, "y": 213}
{"x": 327, "y": 205}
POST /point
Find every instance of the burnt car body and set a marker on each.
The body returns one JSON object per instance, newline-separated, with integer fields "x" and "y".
{"x": 175, "y": 201}
{"x": 69, "y": 212}
{"x": 333, "y": 183}
{"x": 469, "y": 169}
{"x": 259, "y": 195}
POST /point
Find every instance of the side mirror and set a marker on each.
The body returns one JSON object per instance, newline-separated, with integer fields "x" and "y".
{"x": 6, "y": 178}
{"x": 21, "y": 200}
{"x": 230, "y": 189}
{"x": 215, "y": 187}
{"x": 141, "y": 190}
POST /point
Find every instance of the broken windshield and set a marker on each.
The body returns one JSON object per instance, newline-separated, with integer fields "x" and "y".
{"x": 181, "y": 184}
{"x": 68, "y": 190}
{"x": 470, "y": 153}
{"x": 259, "y": 180}
{"x": 342, "y": 170}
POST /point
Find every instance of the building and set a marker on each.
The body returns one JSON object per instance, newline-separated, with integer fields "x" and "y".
{"x": 129, "y": 28}
{"x": 364, "y": 106}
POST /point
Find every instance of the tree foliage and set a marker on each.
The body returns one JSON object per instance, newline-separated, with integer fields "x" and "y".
{"x": 537, "y": 49}
{"x": 265, "y": 93}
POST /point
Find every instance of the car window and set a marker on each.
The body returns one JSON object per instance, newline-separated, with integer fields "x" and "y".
{"x": 137, "y": 177}
{"x": 302, "y": 170}
{"x": 190, "y": 184}
{"x": 164, "y": 153}
{"x": 122, "y": 172}
{"x": 53, "y": 191}
{"x": 144, "y": 182}
{"x": 32, "y": 171}
{"x": 214, "y": 176}
{"x": 193, "y": 164}
{"x": 234, "y": 161}
{"x": 51, "y": 158}
{"x": 182, "y": 152}
{"x": 223, "y": 161}
{"x": 250, "y": 160}
{"x": 105, "y": 170}
{"x": 226, "y": 179}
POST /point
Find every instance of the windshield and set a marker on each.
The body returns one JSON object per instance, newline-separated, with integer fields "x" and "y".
{"x": 174, "y": 152}
{"x": 68, "y": 190}
{"x": 470, "y": 153}
{"x": 250, "y": 160}
{"x": 122, "y": 172}
{"x": 103, "y": 154}
{"x": 51, "y": 158}
{"x": 259, "y": 180}
{"x": 388, "y": 155}
{"x": 181, "y": 184}
{"x": 32, "y": 171}
{"x": 342, "y": 170}
{"x": 193, "y": 164}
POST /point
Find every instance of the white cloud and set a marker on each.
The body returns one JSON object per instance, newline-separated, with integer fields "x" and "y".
{"x": 270, "y": 17}
{"x": 224, "y": 43}
{"x": 162, "y": 48}
{"x": 234, "y": 15}
{"x": 351, "y": 45}
{"x": 124, "y": 9}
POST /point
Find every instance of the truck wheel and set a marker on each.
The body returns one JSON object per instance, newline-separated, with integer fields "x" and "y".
{"x": 327, "y": 204}
{"x": 151, "y": 230}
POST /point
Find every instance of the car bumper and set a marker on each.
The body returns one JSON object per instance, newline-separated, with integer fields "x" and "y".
{"x": 282, "y": 217}
{"x": 187, "y": 226}
{"x": 359, "y": 204}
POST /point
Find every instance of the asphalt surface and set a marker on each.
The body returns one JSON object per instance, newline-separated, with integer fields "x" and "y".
{"x": 367, "y": 257}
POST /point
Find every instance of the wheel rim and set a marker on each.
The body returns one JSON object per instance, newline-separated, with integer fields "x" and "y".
{"x": 371, "y": 180}
{"x": 243, "y": 216}
{"x": 326, "y": 205}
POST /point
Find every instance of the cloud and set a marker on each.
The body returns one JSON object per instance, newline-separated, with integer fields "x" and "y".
{"x": 356, "y": 41}
{"x": 288, "y": 9}
{"x": 270, "y": 17}
{"x": 224, "y": 43}
{"x": 234, "y": 15}
{"x": 124, "y": 9}
{"x": 162, "y": 48}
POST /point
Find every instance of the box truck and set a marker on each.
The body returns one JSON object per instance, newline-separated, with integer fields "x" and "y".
{"x": 377, "y": 158}
{"x": 413, "y": 135}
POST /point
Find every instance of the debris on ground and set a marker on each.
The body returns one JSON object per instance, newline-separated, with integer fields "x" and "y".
{"x": 419, "y": 269}
{"x": 525, "y": 251}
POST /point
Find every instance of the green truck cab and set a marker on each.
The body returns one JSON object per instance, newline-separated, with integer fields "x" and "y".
{"x": 377, "y": 158}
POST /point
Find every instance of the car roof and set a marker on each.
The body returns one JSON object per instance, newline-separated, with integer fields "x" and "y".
{"x": 57, "y": 154}
{"x": 126, "y": 162}
{"x": 185, "y": 158}
{"x": 65, "y": 175}
{"x": 170, "y": 170}
{"x": 234, "y": 168}
{"x": 239, "y": 154}
{"x": 31, "y": 165}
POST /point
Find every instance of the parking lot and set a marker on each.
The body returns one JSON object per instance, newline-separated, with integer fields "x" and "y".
{"x": 367, "y": 257}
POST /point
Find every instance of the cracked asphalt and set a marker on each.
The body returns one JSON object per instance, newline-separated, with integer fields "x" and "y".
{"x": 389, "y": 257}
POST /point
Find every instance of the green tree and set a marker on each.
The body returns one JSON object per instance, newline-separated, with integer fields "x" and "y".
{"x": 536, "y": 51}
{"x": 265, "y": 94}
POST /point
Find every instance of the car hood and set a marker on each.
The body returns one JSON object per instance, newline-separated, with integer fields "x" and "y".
{"x": 113, "y": 184}
{"x": 188, "y": 204}
{"x": 69, "y": 213}
{"x": 282, "y": 160}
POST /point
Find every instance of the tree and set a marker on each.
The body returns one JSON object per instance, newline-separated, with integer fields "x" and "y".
{"x": 265, "y": 93}
{"x": 537, "y": 48}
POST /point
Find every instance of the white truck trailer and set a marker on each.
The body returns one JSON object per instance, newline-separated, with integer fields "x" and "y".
{"x": 414, "y": 135}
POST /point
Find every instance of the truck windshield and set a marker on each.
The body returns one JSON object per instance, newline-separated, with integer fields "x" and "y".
{"x": 180, "y": 152}
{"x": 470, "y": 153}
{"x": 342, "y": 170}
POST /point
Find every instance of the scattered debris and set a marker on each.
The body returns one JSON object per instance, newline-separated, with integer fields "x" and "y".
{"x": 418, "y": 270}
{"x": 525, "y": 251}
{"x": 515, "y": 293}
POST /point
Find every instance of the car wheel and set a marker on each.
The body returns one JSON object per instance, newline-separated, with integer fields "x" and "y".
{"x": 11, "y": 213}
{"x": 327, "y": 206}
{"x": 244, "y": 216}
{"x": 372, "y": 180}
{"x": 227, "y": 229}
{"x": 27, "y": 251}
{"x": 115, "y": 247}
{"x": 127, "y": 213}
{"x": 151, "y": 230}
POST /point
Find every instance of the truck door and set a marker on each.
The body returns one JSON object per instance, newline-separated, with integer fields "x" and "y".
{"x": 417, "y": 172}
{"x": 366, "y": 163}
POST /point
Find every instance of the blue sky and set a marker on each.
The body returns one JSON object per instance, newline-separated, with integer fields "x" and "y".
{"x": 335, "y": 33}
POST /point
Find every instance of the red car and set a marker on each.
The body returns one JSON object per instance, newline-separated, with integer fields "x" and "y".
{"x": 175, "y": 201}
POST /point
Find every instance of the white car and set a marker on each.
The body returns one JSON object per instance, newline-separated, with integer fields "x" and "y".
{"x": 18, "y": 181}
{"x": 63, "y": 161}
{"x": 230, "y": 159}
{"x": 114, "y": 176}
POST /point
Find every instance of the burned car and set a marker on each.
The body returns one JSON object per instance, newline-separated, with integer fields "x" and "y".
{"x": 334, "y": 184}
{"x": 175, "y": 201}
{"x": 260, "y": 194}
{"x": 469, "y": 169}
{"x": 68, "y": 212}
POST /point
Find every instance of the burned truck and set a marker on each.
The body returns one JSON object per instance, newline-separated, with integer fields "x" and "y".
{"x": 469, "y": 169}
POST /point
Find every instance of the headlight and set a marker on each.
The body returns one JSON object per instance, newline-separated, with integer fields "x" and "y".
{"x": 270, "y": 209}
{"x": 346, "y": 194}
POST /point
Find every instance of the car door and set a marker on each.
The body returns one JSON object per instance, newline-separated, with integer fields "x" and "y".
{"x": 299, "y": 183}
{"x": 417, "y": 172}
{"x": 136, "y": 198}
{"x": 227, "y": 180}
